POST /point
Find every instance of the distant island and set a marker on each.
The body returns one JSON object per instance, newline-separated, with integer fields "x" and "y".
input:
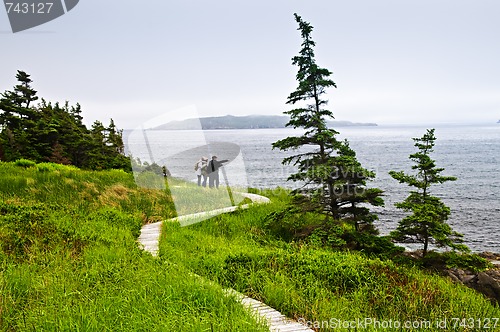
{"x": 243, "y": 122}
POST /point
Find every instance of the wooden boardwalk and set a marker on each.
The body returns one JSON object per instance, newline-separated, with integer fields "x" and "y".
{"x": 149, "y": 240}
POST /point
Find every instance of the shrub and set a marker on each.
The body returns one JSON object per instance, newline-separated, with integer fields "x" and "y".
{"x": 49, "y": 167}
{"x": 24, "y": 227}
{"x": 327, "y": 236}
{"x": 380, "y": 246}
{"x": 472, "y": 262}
{"x": 25, "y": 163}
{"x": 452, "y": 259}
{"x": 289, "y": 223}
{"x": 45, "y": 167}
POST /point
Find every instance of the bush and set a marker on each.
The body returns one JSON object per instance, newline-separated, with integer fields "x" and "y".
{"x": 452, "y": 259}
{"x": 25, "y": 227}
{"x": 472, "y": 262}
{"x": 380, "y": 246}
{"x": 290, "y": 223}
{"x": 25, "y": 163}
{"x": 50, "y": 167}
{"x": 327, "y": 236}
{"x": 45, "y": 167}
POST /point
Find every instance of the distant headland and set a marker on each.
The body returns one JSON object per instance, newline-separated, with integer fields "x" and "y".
{"x": 243, "y": 122}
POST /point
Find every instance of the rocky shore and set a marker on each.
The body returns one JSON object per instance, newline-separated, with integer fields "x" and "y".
{"x": 486, "y": 282}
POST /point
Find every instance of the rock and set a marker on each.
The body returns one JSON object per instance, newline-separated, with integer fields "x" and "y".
{"x": 486, "y": 282}
{"x": 494, "y": 258}
{"x": 454, "y": 277}
{"x": 491, "y": 256}
{"x": 488, "y": 285}
{"x": 490, "y": 279}
{"x": 469, "y": 278}
{"x": 417, "y": 254}
{"x": 496, "y": 264}
{"x": 462, "y": 276}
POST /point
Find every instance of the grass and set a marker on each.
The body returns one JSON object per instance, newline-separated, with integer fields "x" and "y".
{"x": 189, "y": 198}
{"x": 69, "y": 260}
{"x": 311, "y": 283}
{"x": 114, "y": 290}
{"x": 70, "y": 186}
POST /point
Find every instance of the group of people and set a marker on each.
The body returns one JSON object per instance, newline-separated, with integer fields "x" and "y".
{"x": 208, "y": 169}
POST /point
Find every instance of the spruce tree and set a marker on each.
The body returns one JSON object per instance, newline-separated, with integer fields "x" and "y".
{"x": 19, "y": 100}
{"x": 354, "y": 194}
{"x": 17, "y": 120}
{"x": 427, "y": 222}
{"x": 333, "y": 179}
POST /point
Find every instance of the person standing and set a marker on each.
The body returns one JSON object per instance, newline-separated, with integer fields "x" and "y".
{"x": 204, "y": 171}
{"x": 200, "y": 169}
{"x": 213, "y": 171}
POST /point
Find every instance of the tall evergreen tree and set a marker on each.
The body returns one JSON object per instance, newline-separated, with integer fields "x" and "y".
{"x": 114, "y": 138}
{"x": 332, "y": 178}
{"x": 17, "y": 119}
{"x": 353, "y": 195}
{"x": 427, "y": 222}
{"x": 19, "y": 100}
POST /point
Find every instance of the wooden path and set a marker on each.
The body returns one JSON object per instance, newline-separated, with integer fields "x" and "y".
{"x": 150, "y": 237}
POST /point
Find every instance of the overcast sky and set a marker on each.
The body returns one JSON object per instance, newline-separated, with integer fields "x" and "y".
{"x": 394, "y": 61}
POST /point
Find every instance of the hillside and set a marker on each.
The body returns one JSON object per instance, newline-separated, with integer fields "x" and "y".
{"x": 69, "y": 261}
{"x": 242, "y": 122}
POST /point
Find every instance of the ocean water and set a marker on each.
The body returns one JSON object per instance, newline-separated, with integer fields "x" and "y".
{"x": 469, "y": 152}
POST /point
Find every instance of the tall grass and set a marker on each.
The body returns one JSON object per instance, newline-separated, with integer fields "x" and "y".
{"x": 69, "y": 260}
{"x": 189, "y": 198}
{"x": 114, "y": 290}
{"x": 71, "y": 187}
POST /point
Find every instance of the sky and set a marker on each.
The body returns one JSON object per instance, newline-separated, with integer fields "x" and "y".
{"x": 394, "y": 61}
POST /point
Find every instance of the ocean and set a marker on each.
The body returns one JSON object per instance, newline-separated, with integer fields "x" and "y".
{"x": 469, "y": 152}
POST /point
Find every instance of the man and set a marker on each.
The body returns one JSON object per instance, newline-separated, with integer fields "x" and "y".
{"x": 213, "y": 171}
